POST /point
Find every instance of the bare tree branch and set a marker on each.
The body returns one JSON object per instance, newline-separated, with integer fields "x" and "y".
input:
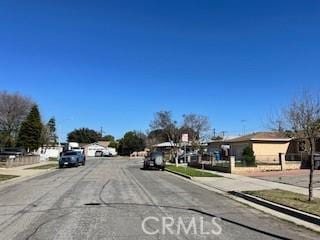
{"x": 198, "y": 123}
{"x": 13, "y": 110}
{"x": 302, "y": 117}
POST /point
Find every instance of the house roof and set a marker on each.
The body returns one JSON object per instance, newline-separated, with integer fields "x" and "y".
{"x": 262, "y": 136}
{"x": 100, "y": 143}
{"x": 104, "y": 143}
{"x": 83, "y": 144}
{"x": 165, "y": 144}
{"x": 223, "y": 139}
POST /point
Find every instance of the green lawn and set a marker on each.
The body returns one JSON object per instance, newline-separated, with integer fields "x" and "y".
{"x": 43, "y": 167}
{"x": 290, "y": 199}
{"x": 6, "y": 177}
{"x": 192, "y": 172}
{"x": 53, "y": 159}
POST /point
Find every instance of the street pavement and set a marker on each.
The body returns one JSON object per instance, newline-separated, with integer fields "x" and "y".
{"x": 111, "y": 198}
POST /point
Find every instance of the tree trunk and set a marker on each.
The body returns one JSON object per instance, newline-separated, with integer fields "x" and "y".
{"x": 312, "y": 148}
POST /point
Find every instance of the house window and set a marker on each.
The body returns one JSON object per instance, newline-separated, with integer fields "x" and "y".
{"x": 302, "y": 146}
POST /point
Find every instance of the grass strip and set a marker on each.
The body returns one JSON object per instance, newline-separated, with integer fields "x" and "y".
{"x": 6, "y": 177}
{"x": 289, "y": 199}
{"x": 192, "y": 172}
{"x": 43, "y": 167}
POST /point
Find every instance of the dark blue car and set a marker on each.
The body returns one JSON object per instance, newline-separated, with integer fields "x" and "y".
{"x": 72, "y": 159}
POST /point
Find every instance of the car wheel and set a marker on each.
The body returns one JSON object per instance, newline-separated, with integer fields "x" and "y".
{"x": 60, "y": 166}
{"x": 83, "y": 162}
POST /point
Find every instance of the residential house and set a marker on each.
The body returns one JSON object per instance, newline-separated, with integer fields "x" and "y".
{"x": 52, "y": 151}
{"x": 266, "y": 145}
{"x": 298, "y": 150}
{"x": 91, "y": 148}
{"x": 103, "y": 146}
{"x": 166, "y": 148}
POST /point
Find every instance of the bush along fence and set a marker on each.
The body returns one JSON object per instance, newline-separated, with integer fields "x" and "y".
{"x": 238, "y": 165}
{"x": 15, "y": 161}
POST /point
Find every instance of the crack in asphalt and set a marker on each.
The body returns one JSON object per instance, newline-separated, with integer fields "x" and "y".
{"x": 44, "y": 223}
{"x": 101, "y": 191}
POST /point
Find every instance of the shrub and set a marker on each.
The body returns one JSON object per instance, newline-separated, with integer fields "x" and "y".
{"x": 248, "y": 157}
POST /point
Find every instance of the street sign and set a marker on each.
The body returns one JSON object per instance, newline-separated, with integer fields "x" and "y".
{"x": 185, "y": 137}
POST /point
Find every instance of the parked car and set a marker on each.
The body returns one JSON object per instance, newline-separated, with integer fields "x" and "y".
{"x": 72, "y": 159}
{"x": 106, "y": 154}
{"x": 98, "y": 153}
{"x": 155, "y": 160}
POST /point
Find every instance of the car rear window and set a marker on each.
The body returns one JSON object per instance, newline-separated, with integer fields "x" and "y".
{"x": 70, "y": 153}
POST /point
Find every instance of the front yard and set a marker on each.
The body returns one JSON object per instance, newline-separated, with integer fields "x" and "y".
{"x": 191, "y": 172}
{"x": 290, "y": 199}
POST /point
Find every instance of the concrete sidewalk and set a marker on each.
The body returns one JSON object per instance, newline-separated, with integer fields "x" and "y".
{"x": 23, "y": 172}
{"x": 233, "y": 182}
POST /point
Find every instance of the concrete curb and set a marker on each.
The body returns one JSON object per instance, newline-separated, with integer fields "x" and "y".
{"x": 280, "y": 215}
{"x": 314, "y": 219}
{"x": 179, "y": 174}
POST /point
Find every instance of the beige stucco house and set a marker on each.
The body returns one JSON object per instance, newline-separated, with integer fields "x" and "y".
{"x": 266, "y": 145}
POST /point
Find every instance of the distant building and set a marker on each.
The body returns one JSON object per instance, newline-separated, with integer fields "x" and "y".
{"x": 102, "y": 146}
{"x": 47, "y": 152}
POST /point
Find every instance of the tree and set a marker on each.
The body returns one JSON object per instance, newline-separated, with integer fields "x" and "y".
{"x": 52, "y": 131}
{"x": 112, "y": 142}
{"x": 248, "y": 156}
{"x": 48, "y": 133}
{"x": 131, "y": 142}
{"x": 45, "y": 135}
{"x": 29, "y": 135}
{"x": 156, "y": 136}
{"x": 108, "y": 138}
{"x": 302, "y": 119}
{"x": 199, "y": 124}
{"x": 13, "y": 110}
{"x": 84, "y": 135}
{"x": 163, "y": 121}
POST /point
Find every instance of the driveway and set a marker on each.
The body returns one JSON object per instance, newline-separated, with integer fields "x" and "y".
{"x": 112, "y": 198}
{"x": 298, "y": 178}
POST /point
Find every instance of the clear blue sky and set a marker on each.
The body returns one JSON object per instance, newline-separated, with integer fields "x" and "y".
{"x": 115, "y": 63}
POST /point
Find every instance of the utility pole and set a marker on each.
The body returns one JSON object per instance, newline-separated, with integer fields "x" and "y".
{"x": 214, "y": 133}
{"x": 101, "y": 131}
{"x": 223, "y": 133}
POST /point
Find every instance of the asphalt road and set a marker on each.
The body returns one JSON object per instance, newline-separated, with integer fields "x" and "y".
{"x": 110, "y": 199}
